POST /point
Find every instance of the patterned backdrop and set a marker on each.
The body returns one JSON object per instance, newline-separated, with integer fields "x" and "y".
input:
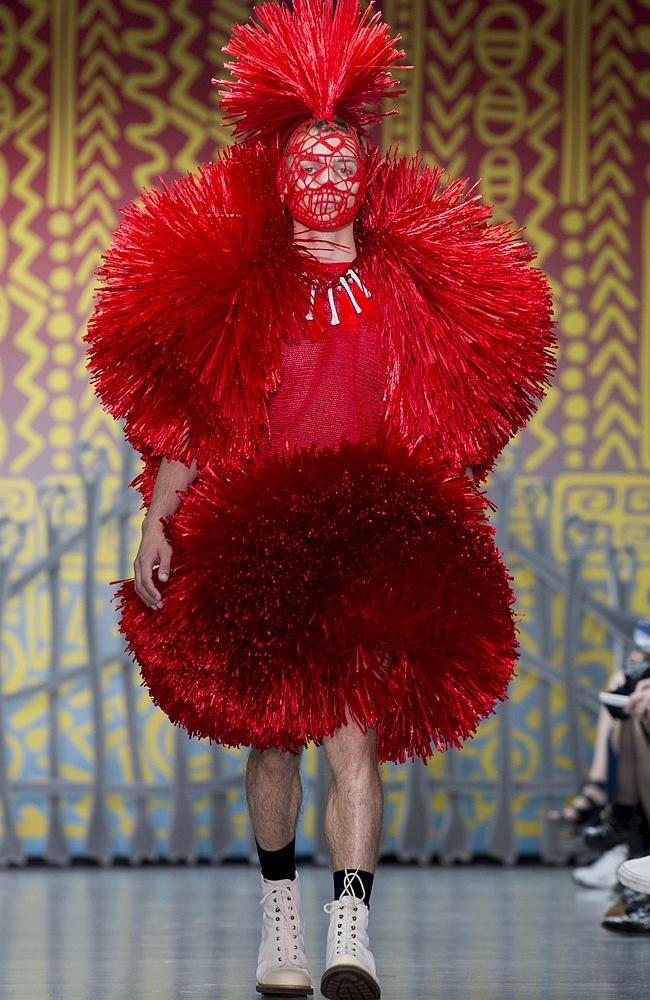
{"x": 547, "y": 102}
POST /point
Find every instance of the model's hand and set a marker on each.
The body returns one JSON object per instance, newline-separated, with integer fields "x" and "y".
{"x": 639, "y": 703}
{"x": 154, "y": 551}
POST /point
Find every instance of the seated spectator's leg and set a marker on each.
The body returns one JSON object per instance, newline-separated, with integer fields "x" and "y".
{"x": 642, "y": 755}
{"x": 585, "y": 806}
{"x": 627, "y": 789}
{"x": 599, "y": 770}
{"x": 621, "y": 820}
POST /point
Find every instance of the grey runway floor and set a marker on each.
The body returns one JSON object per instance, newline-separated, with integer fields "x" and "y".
{"x": 478, "y": 932}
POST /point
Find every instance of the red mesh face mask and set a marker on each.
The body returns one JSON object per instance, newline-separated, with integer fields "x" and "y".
{"x": 324, "y": 177}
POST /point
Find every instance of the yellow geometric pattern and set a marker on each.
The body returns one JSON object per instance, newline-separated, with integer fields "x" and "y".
{"x": 547, "y": 102}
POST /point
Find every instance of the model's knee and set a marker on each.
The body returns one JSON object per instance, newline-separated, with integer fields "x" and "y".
{"x": 351, "y": 754}
{"x": 275, "y": 763}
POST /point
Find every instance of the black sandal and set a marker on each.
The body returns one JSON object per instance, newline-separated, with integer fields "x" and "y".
{"x": 581, "y": 815}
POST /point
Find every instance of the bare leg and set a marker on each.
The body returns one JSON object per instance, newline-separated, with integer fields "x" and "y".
{"x": 274, "y": 796}
{"x": 627, "y": 791}
{"x": 642, "y": 753}
{"x": 599, "y": 762}
{"x": 355, "y": 802}
{"x": 597, "y": 773}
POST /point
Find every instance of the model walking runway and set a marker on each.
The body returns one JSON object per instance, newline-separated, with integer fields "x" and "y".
{"x": 327, "y": 348}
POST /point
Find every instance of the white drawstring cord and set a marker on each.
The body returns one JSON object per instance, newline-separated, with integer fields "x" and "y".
{"x": 352, "y": 274}
{"x": 335, "y": 321}
{"x": 345, "y": 285}
{"x": 312, "y": 296}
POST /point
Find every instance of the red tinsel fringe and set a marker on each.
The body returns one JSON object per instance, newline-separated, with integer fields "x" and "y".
{"x": 468, "y": 320}
{"x": 199, "y": 288}
{"x": 358, "y": 575}
{"x": 203, "y": 282}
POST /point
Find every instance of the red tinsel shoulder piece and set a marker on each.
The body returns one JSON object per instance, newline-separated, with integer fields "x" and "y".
{"x": 196, "y": 290}
{"x": 468, "y": 318}
{"x": 202, "y": 284}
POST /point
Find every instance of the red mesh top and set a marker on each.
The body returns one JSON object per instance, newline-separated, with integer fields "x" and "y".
{"x": 332, "y": 384}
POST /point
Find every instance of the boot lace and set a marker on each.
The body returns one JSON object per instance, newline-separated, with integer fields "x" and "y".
{"x": 279, "y": 908}
{"x": 347, "y": 931}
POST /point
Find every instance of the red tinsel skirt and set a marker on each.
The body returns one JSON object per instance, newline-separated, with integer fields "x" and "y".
{"x": 359, "y": 575}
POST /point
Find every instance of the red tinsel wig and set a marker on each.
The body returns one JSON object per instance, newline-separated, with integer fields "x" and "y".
{"x": 321, "y": 60}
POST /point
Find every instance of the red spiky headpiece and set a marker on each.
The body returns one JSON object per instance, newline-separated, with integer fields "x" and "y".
{"x": 324, "y": 59}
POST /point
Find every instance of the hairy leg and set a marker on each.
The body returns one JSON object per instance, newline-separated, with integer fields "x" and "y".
{"x": 355, "y": 802}
{"x": 274, "y": 796}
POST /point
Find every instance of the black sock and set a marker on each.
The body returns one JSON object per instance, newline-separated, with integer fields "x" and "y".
{"x": 624, "y": 812}
{"x": 278, "y": 864}
{"x": 359, "y": 883}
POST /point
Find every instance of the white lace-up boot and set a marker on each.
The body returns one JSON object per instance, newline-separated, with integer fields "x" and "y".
{"x": 281, "y": 962}
{"x": 350, "y": 967}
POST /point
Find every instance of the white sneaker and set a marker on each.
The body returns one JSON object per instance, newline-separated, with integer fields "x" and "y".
{"x": 350, "y": 967}
{"x": 635, "y": 874}
{"x": 603, "y": 873}
{"x": 281, "y": 962}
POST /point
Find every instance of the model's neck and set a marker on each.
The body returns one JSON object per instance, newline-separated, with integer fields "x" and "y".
{"x": 334, "y": 246}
